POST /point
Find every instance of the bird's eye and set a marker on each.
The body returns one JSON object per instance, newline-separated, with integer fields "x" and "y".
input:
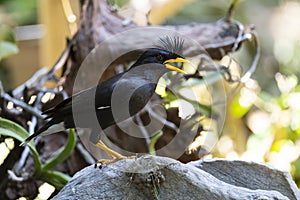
{"x": 160, "y": 57}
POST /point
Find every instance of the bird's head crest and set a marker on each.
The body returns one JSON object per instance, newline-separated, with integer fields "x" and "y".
{"x": 172, "y": 44}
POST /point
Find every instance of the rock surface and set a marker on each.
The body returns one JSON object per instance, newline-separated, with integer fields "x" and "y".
{"x": 152, "y": 177}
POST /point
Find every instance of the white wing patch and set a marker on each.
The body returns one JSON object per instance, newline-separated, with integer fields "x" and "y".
{"x": 103, "y": 107}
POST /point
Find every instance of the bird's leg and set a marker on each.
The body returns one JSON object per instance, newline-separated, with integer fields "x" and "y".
{"x": 115, "y": 156}
{"x": 109, "y": 151}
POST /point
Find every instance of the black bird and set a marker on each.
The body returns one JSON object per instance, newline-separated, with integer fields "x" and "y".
{"x": 137, "y": 85}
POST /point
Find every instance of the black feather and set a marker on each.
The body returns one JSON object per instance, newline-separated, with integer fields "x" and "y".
{"x": 44, "y": 128}
{"x": 173, "y": 44}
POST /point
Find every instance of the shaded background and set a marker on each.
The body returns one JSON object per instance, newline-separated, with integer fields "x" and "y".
{"x": 263, "y": 117}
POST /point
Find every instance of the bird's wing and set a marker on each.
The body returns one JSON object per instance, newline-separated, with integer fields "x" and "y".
{"x": 82, "y": 100}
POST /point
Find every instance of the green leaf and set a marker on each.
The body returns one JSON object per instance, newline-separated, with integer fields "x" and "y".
{"x": 6, "y": 34}
{"x": 7, "y": 42}
{"x": 237, "y": 109}
{"x": 170, "y": 96}
{"x": 278, "y": 145}
{"x": 204, "y": 109}
{"x": 64, "y": 152}
{"x": 7, "y": 49}
{"x": 118, "y": 3}
{"x": 153, "y": 140}
{"x": 296, "y": 169}
{"x": 208, "y": 80}
{"x": 55, "y": 178}
{"x": 12, "y": 129}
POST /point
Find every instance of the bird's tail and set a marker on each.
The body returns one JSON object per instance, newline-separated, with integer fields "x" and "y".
{"x": 49, "y": 128}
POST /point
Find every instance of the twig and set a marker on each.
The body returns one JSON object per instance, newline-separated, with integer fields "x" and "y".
{"x": 254, "y": 64}
{"x": 21, "y": 162}
{"x": 233, "y": 4}
{"x": 30, "y": 82}
{"x": 241, "y": 35}
{"x": 23, "y": 105}
{"x": 85, "y": 154}
{"x": 167, "y": 123}
{"x": 59, "y": 63}
{"x": 14, "y": 177}
{"x": 143, "y": 130}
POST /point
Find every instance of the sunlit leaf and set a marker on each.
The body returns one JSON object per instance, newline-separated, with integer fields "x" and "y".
{"x": 169, "y": 96}
{"x": 282, "y": 101}
{"x": 277, "y": 145}
{"x": 280, "y": 132}
{"x": 237, "y": 109}
{"x": 12, "y": 129}
{"x": 286, "y": 83}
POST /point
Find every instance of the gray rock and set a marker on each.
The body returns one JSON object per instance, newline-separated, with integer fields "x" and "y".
{"x": 153, "y": 177}
{"x": 251, "y": 175}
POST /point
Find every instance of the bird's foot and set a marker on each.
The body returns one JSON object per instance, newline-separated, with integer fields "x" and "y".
{"x": 115, "y": 155}
{"x": 102, "y": 162}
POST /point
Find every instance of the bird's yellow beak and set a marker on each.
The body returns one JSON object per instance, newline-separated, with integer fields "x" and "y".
{"x": 179, "y": 60}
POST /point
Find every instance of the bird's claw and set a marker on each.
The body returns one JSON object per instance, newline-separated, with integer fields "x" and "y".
{"x": 103, "y": 162}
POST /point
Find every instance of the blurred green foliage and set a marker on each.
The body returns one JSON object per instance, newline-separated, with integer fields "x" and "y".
{"x": 16, "y": 12}
{"x": 275, "y": 124}
{"x": 13, "y": 13}
{"x": 8, "y": 44}
{"x": 117, "y": 3}
{"x": 263, "y": 118}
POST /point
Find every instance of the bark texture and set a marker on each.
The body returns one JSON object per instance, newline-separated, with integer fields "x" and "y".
{"x": 99, "y": 22}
